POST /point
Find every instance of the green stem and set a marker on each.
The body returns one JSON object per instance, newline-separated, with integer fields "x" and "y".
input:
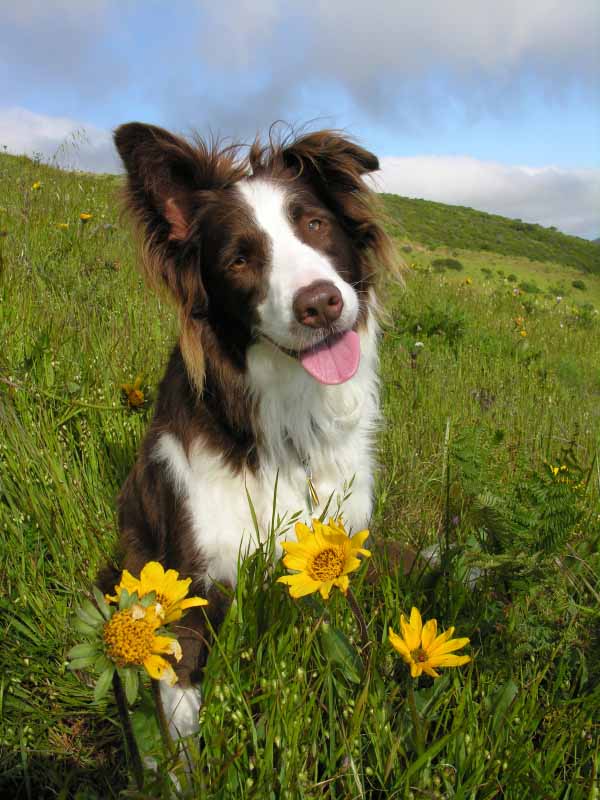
{"x": 132, "y": 748}
{"x": 360, "y": 618}
{"x": 162, "y": 719}
{"x": 415, "y": 719}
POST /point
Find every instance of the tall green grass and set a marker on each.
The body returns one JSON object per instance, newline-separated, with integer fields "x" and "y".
{"x": 472, "y": 411}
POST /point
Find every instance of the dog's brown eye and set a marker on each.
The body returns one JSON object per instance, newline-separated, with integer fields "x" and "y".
{"x": 239, "y": 262}
{"x": 315, "y": 225}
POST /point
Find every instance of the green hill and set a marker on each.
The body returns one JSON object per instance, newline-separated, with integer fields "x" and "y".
{"x": 437, "y": 224}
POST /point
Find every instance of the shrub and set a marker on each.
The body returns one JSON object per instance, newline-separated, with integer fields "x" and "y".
{"x": 578, "y": 284}
{"x": 512, "y": 278}
{"x": 440, "y": 264}
{"x": 487, "y": 272}
{"x": 529, "y": 287}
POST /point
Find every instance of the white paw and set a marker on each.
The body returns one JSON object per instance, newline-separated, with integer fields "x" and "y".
{"x": 181, "y": 709}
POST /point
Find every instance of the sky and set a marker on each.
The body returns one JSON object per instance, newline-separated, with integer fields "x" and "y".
{"x": 469, "y": 102}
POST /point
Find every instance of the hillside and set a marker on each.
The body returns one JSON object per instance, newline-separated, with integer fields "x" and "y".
{"x": 437, "y": 224}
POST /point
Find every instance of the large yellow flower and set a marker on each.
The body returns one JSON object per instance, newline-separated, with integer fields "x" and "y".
{"x": 322, "y": 557}
{"x": 130, "y": 639}
{"x": 171, "y": 592}
{"x": 422, "y": 649}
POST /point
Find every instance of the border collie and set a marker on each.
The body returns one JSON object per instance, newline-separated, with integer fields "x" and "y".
{"x": 270, "y": 259}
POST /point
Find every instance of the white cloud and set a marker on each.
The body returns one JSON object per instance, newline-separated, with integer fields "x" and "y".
{"x": 65, "y": 142}
{"x": 569, "y": 199}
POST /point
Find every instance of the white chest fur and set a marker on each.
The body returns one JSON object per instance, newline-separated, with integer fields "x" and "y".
{"x": 329, "y": 427}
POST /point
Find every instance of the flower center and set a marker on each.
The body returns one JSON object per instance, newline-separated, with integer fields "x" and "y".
{"x": 128, "y": 640}
{"x": 419, "y": 655}
{"x": 327, "y": 564}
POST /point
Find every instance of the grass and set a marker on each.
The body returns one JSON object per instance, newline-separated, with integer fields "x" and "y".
{"x": 472, "y": 414}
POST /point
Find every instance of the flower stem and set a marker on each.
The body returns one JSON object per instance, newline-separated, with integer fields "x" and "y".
{"x": 162, "y": 718}
{"x": 415, "y": 719}
{"x": 132, "y": 748}
{"x": 360, "y": 618}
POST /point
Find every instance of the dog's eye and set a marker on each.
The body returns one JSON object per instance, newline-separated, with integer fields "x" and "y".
{"x": 315, "y": 225}
{"x": 239, "y": 262}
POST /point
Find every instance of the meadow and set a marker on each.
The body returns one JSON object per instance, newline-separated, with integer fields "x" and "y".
{"x": 488, "y": 450}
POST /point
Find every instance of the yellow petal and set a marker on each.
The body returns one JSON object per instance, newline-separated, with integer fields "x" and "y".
{"x": 359, "y": 538}
{"x": 410, "y": 636}
{"x": 429, "y": 634}
{"x": 293, "y": 561}
{"x": 300, "y": 584}
{"x": 325, "y": 589}
{"x": 350, "y": 565}
{"x": 449, "y": 661}
{"x": 447, "y": 647}
{"x": 415, "y": 621}
{"x": 167, "y": 645}
{"x": 342, "y": 583}
{"x": 152, "y": 575}
{"x": 302, "y": 531}
{"x": 192, "y": 602}
{"x": 443, "y": 637}
{"x": 399, "y": 645}
{"x": 415, "y": 669}
{"x": 160, "y": 670}
{"x": 428, "y": 669}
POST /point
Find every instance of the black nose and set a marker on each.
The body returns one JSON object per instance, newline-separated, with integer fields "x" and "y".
{"x": 318, "y": 305}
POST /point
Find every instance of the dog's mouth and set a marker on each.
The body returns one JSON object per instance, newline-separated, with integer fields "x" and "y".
{"x": 331, "y": 361}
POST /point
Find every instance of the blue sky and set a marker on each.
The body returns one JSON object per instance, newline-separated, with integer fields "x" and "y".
{"x": 471, "y": 102}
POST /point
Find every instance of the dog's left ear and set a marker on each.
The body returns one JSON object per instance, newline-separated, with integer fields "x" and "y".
{"x": 336, "y": 166}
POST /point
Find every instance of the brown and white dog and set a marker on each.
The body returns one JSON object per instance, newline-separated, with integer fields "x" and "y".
{"x": 271, "y": 261}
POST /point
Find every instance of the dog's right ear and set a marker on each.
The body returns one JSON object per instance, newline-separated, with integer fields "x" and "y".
{"x": 164, "y": 173}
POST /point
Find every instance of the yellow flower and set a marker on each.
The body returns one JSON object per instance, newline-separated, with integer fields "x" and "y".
{"x": 422, "y": 649}
{"x": 85, "y": 217}
{"x": 468, "y": 281}
{"x": 322, "y": 557}
{"x": 62, "y": 225}
{"x": 130, "y": 639}
{"x": 170, "y": 591}
{"x": 37, "y": 185}
{"x": 523, "y": 333}
{"x": 135, "y": 396}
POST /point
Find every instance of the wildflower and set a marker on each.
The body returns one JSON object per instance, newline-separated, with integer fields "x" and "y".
{"x": 322, "y": 557}
{"x": 523, "y": 333}
{"x": 169, "y": 590}
{"x": 134, "y": 394}
{"x": 422, "y": 649}
{"x": 468, "y": 281}
{"x": 35, "y": 186}
{"x": 130, "y": 639}
{"x": 62, "y": 225}
{"x": 419, "y": 344}
{"x": 516, "y": 291}
{"x": 84, "y": 217}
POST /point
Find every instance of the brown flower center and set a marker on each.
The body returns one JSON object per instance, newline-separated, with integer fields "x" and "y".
{"x": 327, "y": 564}
{"x": 128, "y": 640}
{"x": 419, "y": 655}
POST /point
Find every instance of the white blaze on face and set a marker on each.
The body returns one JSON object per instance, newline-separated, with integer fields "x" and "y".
{"x": 294, "y": 265}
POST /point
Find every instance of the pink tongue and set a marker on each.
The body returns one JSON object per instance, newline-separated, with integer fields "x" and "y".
{"x": 335, "y": 360}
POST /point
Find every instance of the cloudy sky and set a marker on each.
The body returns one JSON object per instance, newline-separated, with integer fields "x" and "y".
{"x": 473, "y": 102}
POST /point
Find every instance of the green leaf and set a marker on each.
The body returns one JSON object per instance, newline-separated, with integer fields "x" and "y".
{"x": 340, "y": 652}
{"x": 131, "y": 684}
{"x": 82, "y": 651}
{"x": 89, "y": 613}
{"x": 103, "y": 683}
{"x": 83, "y": 627}
{"x": 102, "y": 662}
{"x": 102, "y": 604}
{"x": 81, "y": 663}
{"x": 123, "y": 599}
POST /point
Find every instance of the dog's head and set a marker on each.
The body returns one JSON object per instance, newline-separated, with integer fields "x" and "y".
{"x": 282, "y": 244}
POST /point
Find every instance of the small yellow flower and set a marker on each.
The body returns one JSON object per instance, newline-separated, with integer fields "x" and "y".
{"x": 422, "y": 649}
{"x": 37, "y": 185}
{"x": 130, "y": 639}
{"x": 468, "y": 281}
{"x": 62, "y": 225}
{"x": 523, "y": 333}
{"x": 135, "y": 395}
{"x": 84, "y": 217}
{"x": 323, "y": 558}
{"x": 170, "y": 590}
